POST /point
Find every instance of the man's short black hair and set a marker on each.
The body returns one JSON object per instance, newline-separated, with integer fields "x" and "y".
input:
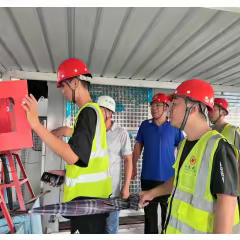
{"x": 202, "y": 109}
{"x": 84, "y": 83}
{"x": 221, "y": 108}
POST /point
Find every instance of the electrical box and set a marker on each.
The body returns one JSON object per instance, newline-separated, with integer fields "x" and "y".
{"x": 15, "y": 131}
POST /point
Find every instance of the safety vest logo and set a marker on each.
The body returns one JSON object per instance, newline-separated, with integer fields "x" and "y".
{"x": 191, "y": 165}
{"x": 192, "y": 161}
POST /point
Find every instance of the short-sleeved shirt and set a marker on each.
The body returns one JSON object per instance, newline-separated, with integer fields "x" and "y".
{"x": 83, "y": 135}
{"x": 224, "y": 178}
{"x": 159, "y": 144}
{"x": 119, "y": 145}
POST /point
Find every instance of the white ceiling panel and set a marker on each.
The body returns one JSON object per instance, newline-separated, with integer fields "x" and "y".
{"x": 153, "y": 44}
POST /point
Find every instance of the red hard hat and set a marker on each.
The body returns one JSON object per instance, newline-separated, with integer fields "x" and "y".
{"x": 221, "y": 102}
{"x": 197, "y": 90}
{"x": 69, "y": 68}
{"x": 160, "y": 97}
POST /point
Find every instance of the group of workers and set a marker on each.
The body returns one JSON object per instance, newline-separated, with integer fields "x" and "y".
{"x": 197, "y": 190}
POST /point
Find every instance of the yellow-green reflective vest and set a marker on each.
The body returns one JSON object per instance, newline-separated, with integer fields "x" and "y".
{"x": 94, "y": 180}
{"x": 193, "y": 205}
{"x": 231, "y": 133}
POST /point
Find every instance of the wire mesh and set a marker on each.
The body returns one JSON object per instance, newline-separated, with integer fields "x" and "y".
{"x": 135, "y": 185}
{"x": 37, "y": 141}
{"x": 25, "y": 158}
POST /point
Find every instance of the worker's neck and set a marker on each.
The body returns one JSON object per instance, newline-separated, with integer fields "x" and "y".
{"x": 84, "y": 99}
{"x": 196, "y": 129}
{"x": 109, "y": 124}
{"x": 160, "y": 120}
{"x": 219, "y": 125}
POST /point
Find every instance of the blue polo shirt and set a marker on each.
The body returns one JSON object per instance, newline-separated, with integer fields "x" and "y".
{"x": 159, "y": 144}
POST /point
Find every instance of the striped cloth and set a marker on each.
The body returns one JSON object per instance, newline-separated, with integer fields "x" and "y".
{"x": 89, "y": 206}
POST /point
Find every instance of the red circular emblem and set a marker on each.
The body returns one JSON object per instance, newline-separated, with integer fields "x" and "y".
{"x": 192, "y": 160}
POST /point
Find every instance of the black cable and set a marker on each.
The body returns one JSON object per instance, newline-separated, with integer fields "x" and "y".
{"x": 171, "y": 201}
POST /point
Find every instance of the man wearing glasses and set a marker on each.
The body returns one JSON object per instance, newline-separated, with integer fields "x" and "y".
{"x": 159, "y": 140}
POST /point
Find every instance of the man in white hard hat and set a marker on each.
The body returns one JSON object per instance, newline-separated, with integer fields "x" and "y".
{"x": 119, "y": 147}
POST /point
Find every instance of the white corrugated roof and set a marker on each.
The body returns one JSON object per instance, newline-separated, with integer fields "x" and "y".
{"x": 158, "y": 44}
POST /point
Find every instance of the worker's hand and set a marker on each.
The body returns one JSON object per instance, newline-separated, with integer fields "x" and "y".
{"x": 58, "y": 132}
{"x": 134, "y": 172}
{"x": 145, "y": 198}
{"x": 30, "y": 105}
{"x": 62, "y": 132}
{"x": 57, "y": 172}
{"x": 125, "y": 192}
{"x": 53, "y": 184}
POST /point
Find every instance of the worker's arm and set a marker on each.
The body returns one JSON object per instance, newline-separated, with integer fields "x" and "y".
{"x": 59, "y": 147}
{"x": 224, "y": 186}
{"x": 224, "y": 215}
{"x": 128, "y": 175}
{"x": 136, "y": 155}
{"x": 163, "y": 189}
{"x": 62, "y": 132}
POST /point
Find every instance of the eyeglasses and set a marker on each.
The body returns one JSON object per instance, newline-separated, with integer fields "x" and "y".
{"x": 156, "y": 105}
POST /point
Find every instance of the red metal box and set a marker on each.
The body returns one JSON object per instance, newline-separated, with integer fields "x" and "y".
{"x": 15, "y": 131}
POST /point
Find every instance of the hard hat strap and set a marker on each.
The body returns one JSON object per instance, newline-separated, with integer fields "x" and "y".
{"x": 187, "y": 112}
{"x": 73, "y": 93}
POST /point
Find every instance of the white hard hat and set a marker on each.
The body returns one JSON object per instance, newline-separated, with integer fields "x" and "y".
{"x": 107, "y": 102}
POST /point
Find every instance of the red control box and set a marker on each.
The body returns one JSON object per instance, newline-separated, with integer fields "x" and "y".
{"x": 15, "y": 131}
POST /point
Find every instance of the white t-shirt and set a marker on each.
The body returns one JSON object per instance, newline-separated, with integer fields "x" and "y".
{"x": 119, "y": 145}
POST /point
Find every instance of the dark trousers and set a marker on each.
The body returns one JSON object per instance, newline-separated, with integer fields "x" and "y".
{"x": 151, "y": 215}
{"x": 89, "y": 224}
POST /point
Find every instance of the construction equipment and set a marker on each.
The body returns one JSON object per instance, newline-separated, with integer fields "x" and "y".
{"x": 15, "y": 134}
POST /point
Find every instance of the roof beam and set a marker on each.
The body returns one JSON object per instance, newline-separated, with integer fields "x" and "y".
{"x": 112, "y": 81}
{"x": 228, "y": 9}
{"x": 96, "y": 80}
{"x": 6, "y": 76}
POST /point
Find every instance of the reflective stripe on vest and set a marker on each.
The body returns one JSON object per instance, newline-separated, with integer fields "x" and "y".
{"x": 196, "y": 200}
{"x": 229, "y": 133}
{"x": 186, "y": 229}
{"x": 236, "y": 229}
{"x": 182, "y": 227}
{"x": 93, "y": 177}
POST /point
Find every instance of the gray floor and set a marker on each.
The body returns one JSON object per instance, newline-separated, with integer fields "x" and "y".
{"x": 132, "y": 229}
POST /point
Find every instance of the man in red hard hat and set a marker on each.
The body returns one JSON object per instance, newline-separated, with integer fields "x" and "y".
{"x": 159, "y": 140}
{"x": 86, "y": 154}
{"x": 204, "y": 187}
{"x": 217, "y": 118}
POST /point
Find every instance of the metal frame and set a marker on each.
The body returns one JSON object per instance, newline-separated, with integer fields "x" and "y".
{"x": 52, "y": 77}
